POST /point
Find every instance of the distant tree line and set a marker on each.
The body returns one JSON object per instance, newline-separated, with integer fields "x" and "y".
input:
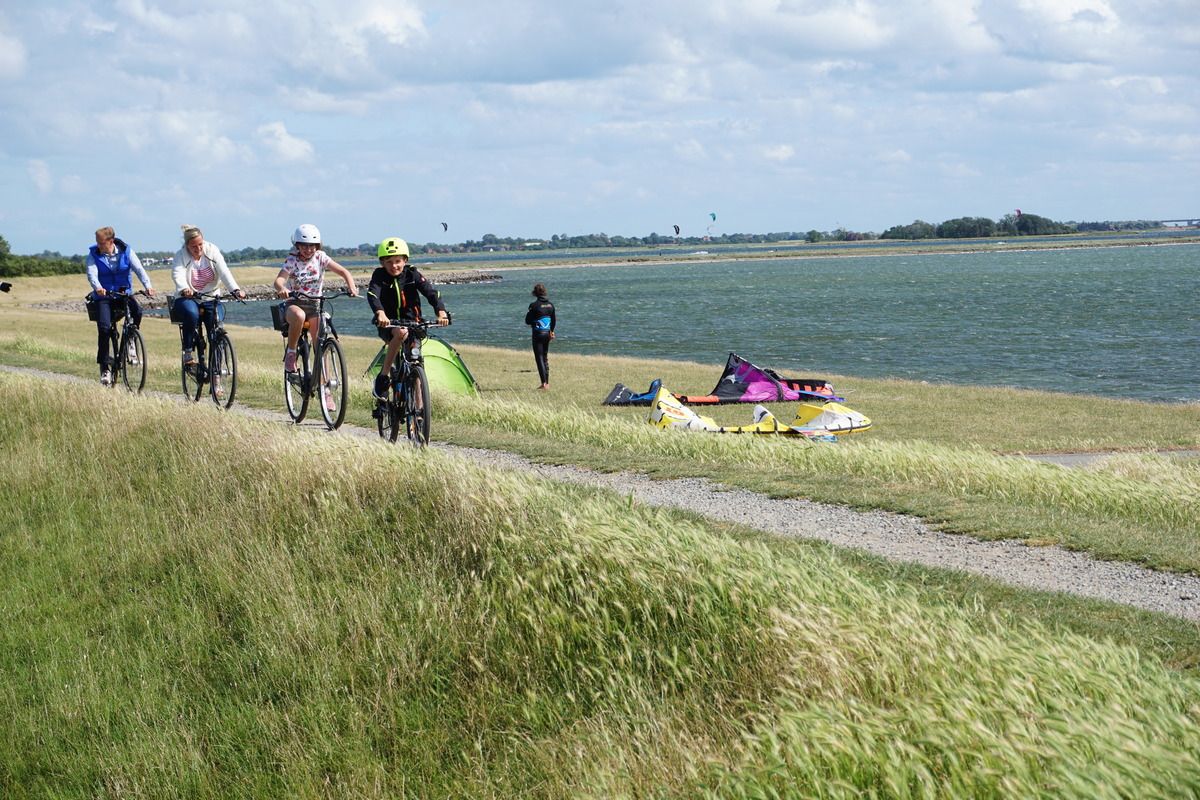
{"x": 982, "y": 227}
{"x": 15, "y": 266}
{"x": 54, "y": 263}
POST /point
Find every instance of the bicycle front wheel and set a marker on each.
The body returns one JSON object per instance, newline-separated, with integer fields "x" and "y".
{"x": 222, "y": 374}
{"x": 132, "y": 360}
{"x": 193, "y": 380}
{"x": 295, "y": 384}
{"x": 388, "y": 411}
{"x": 333, "y": 390}
{"x": 416, "y": 400}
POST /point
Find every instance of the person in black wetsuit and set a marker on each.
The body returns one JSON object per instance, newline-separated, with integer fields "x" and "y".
{"x": 540, "y": 317}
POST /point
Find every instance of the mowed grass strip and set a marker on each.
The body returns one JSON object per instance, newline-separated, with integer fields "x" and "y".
{"x": 197, "y": 604}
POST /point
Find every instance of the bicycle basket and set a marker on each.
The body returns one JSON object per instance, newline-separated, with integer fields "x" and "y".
{"x": 279, "y": 317}
{"x": 118, "y": 309}
{"x": 174, "y": 310}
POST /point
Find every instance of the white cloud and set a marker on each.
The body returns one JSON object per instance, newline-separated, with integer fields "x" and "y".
{"x": 897, "y": 156}
{"x": 779, "y": 152}
{"x": 512, "y": 109}
{"x": 73, "y": 184}
{"x": 958, "y": 170}
{"x": 275, "y": 137}
{"x": 12, "y": 57}
{"x": 39, "y": 173}
{"x": 310, "y": 100}
{"x": 690, "y": 150}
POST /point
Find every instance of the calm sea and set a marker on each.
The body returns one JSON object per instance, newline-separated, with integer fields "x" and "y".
{"x": 1120, "y": 321}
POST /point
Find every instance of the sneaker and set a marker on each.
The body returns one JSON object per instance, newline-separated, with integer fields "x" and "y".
{"x": 133, "y": 354}
{"x": 106, "y": 377}
{"x": 381, "y": 385}
{"x": 189, "y": 358}
{"x": 289, "y": 361}
{"x": 330, "y": 405}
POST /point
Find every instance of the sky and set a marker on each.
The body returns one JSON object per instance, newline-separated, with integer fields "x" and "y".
{"x": 527, "y": 118}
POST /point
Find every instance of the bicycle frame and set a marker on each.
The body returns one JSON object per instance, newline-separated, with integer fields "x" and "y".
{"x": 208, "y": 342}
{"x": 317, "y": 338}
{"x": 120, "y": 343}
{"x": 408, "y": 367}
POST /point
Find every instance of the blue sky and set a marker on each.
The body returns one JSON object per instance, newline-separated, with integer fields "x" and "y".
{"x": 530, "y": 118}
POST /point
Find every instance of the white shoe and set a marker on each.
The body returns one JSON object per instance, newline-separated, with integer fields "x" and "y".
{"x": 106, "y": 378}
{"x": 133, "y": 354}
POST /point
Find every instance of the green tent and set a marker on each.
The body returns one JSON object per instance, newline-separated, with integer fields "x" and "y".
{"x": 443, "y": 366}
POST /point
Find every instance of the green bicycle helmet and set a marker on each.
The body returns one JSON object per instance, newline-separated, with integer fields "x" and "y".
{"x": 392, "y": 246}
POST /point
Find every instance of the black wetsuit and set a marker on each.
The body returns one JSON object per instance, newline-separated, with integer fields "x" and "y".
{"x": 540, "y": 317}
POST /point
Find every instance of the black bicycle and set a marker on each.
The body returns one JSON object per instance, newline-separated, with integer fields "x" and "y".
{"x": 320, "y": 366}
{"x": 217, "y": 371}
{"x": 406, "y": 405}
{"x": 128, "y": 347}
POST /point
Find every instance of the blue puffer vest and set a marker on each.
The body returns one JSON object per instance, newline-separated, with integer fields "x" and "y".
{"x": 112, "y": 278}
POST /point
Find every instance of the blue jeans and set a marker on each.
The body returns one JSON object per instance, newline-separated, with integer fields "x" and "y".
{"x": 104, "y": 324}
{"x": 190, "y": 310}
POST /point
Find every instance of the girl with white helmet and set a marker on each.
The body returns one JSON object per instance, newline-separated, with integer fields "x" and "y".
{"x": 304, "y": 271}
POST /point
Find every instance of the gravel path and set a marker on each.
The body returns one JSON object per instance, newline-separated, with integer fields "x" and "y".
{"x": 893, "y": 536}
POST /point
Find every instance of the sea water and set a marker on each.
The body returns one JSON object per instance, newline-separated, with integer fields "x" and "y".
{"x": 1116, "y": 321}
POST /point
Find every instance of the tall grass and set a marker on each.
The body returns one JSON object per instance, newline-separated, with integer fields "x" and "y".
{"x": 202, "y": 605}
{"x": 932, "y": 452}
{"x": 1160, "y": 519}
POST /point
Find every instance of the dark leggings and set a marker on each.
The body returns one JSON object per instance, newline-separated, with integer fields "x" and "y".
{"x": 541, "y": 352}
{"x": 105, "y": 322}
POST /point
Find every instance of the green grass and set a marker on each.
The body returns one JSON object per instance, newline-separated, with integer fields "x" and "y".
{"x": 940, "y": 452}
{"x": 204, "y": 605}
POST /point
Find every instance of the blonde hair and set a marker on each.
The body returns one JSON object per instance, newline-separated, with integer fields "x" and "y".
{"x": 190, "y": 232}
{"x": 106, "y": 232}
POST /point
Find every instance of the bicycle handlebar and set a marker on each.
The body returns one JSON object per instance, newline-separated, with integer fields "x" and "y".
{"x": 217, "y": 297}
{"x": 422, "y": 325}
{"x": 124, "y": 293}
{"x": 296, "y": 294}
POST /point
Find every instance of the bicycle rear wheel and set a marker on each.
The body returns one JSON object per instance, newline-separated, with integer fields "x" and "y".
{"x": 333, "y": 390}
{"x": 295, "y": 384}
{"x": 132, "y": 360}
{"x": 416, "y": 401}
{"x": 222, "y": 375}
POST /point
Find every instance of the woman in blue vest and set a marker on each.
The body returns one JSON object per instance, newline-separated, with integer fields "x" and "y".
{"x": 540, "y": 317}
{"x": 109, "y": 263}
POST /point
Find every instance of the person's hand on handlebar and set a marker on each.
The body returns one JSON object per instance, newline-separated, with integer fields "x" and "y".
{"x": 381, "y": 320}
{"x": 101, "y": 291}
{"x": 187, "y": 292}
{"x": 443, "y": 318}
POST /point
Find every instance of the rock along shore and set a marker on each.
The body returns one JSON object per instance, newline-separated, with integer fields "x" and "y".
{"x": 263, "y": 291}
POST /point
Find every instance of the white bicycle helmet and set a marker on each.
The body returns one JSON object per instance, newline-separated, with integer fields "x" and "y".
{"x": 306, "y": 234}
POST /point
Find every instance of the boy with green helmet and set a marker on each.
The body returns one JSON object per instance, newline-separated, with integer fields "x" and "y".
{"x": 395, "y": 294}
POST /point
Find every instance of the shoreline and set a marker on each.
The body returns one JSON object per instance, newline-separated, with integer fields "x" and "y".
{"x": 847, "y": 251}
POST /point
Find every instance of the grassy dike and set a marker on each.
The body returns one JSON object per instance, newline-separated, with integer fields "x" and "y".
{"x": 941, "y": 452}
{"x": 257, "y": 611}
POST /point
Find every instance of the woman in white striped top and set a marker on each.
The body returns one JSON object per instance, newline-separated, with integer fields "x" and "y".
{"x": 198, "y": 267}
